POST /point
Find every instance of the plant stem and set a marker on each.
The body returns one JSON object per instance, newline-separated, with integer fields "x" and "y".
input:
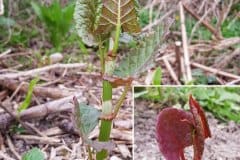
{"x": 105, "y": 128}
{"x": 121, "y": 99}
{"x": 107, "y": 68}
{"x": 102, "y": 56}
{"x": 118, "y": 30}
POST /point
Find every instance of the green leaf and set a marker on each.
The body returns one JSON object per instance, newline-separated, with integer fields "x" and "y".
{"x": 224, "y": 96}
{"x": 97, "y": 19}
{"x": 118, "y": 11}
{"x": 33, "y": 154}
{"x": 86, "y": 14}
{"x": 139, "y": 58}
{"x": 157, "y": 77}
{"x": 28, "y": 97}
{"x": 86, "y": 118}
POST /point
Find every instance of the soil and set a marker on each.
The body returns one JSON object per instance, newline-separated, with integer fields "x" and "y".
{"x": 224, "y": 144}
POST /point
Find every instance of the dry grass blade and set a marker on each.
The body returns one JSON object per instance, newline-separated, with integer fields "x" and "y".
{"x": 5, "y": 156}
{"x": 37, "y": 71}
{"x": 12, "y": 148}
{"x": 185, "y": 44}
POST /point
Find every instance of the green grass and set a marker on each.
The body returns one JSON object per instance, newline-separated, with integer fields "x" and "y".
{"x": 57, "y": 20}
{"x": 222, "y": 102}
{"x": 231, "y": 28}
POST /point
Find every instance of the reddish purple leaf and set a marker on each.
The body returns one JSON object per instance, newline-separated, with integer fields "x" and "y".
{"x": 177, "y": 129}
{"x": 174, "y": 132}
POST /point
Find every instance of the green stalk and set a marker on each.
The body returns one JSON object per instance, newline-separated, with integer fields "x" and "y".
{"x": 102, "y": 56}
{"x": 106, "y": 125}
{"x": 121, "y": 99}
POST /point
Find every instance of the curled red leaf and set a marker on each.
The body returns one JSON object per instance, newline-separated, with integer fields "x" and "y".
{"x": 197, "y": 111}
{"x": 201, "y": 131}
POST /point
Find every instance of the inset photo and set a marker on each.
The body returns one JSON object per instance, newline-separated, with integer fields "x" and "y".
{"x": 186, "y": 123}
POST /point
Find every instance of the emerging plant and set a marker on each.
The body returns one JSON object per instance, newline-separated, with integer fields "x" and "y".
{"x": 57, "y": 20}
{"x": 100, "y": 23}
{"x": 177, "y": 129}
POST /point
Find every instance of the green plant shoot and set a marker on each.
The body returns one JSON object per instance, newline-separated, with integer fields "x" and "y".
{"x": 101, "y": 23}
{"x": 28, "y": 97}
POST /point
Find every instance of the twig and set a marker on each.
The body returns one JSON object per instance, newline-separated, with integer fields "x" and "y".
{"x": 226, "y": 43}
{"x": 160, "y": 7}
{"x": 227, "y": 58}
{"x": 53, "y": 131}
{"x": 15, "y": 55}
{"x": 179, "y": 61}
{"x": 185, "y": 44}
{"x": 54, "y": 93}
{"x": 7, "y": 51}
{"x": 202, "y": 19}
{"x": 94, "y": 97}
{"x": 37, "y": 139}
{"x": 39, "y": 111}
{"x": 15, "y": 117}
{"x": 12, "y": 148}
{"x": 35, "y": 129}
{"x": 220, "y": 81}
{"x": 172, "y": 73}
{"x": 154, "y": 3}
{"x": 165, "y": 56}
{"x": 16, "y": 91}
{"x": 4, "y": 156}
{"x": 233, "y": 82}
{"x": 220, "y": 45}
{"x": 201, "y": 6}
{"x": 206, "y": 24}
{"x": 156, "y": 22}
{"x": 3, "y": 94}
{"x": 226, "y": 12}
{"x": 56, "y": 80}
{"x": 215, "y": 71}
{"x": 97, "y": 74}
{"x": 37, "y": 71}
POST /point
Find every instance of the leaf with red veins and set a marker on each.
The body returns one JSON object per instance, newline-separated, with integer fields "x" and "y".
{"x": 201, "y": 130}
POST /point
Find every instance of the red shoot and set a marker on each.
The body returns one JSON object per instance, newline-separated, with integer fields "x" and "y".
{"x": 177, "y": 129}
